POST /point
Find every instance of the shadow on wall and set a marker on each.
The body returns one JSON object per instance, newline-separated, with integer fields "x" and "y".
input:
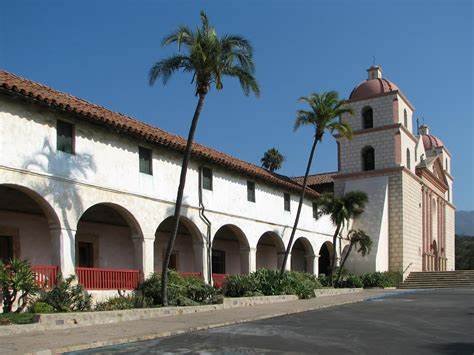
{"x": 64, "y": 195}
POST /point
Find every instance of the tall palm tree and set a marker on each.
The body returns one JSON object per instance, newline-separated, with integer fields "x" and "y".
{"x": 208, "y": 58}
{"x": 272, "y": 159}
{"x": 359, "y": 239}
{"x": 326, "y": 108}
{"x": 341, "y": 210}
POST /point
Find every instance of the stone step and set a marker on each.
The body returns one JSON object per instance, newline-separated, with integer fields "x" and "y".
{"x": 440, "y": 279}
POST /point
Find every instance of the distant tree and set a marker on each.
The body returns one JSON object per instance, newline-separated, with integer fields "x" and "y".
{"x": 209, "y": 58}
{"x": 464, "y": 252}
{"x": 361, "y": 241}
{"x": 341, "y": 210}
{"x": 272, "y": 159}
{"x": 323, "y": 116}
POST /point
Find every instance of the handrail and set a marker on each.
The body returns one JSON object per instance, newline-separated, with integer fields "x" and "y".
{"x": 108, "y": 279}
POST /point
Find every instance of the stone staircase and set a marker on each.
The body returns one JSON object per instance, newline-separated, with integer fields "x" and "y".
{"x": 439, "y": 279}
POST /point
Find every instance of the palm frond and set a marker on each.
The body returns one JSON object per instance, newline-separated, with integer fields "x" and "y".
{"x": 166, "y": 67}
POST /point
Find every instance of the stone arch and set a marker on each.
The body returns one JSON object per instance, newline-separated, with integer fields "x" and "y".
{"x": 367, "y": 117}
{"x": 302, "y": 256}
{"x": 325, "y": 253}
{"x": 105, "y": 237}
{"x": 26, "y": 224}
{"x": 230, "y": 251}
{"x": 270, "y": 251}
{"x": 188, "y": 251}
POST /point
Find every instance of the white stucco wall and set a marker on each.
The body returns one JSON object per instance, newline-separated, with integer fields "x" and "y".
{"x": 374, "y": 221}
{"x": 105, "y": 170}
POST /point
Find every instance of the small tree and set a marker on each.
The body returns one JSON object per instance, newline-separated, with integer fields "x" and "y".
{"x": 17, "y": 281}
{"x": 359, "y": 239}
{"x": 341, "y": 210}
{"x": 272, "y": 159}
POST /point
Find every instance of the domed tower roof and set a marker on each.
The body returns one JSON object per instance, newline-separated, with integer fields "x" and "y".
{"x": 375, "y": 85}
{"x": 429, "y": 141}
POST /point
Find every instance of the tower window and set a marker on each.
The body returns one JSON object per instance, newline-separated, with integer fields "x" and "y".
{"x": 367, "y": 117}
{"x": 251, "y": 191}
{"x": 206, "y": 178}
{"x": 287, "y": 200}
{"x": 405, "y": 118}
{"x": 446, "y": 163}
{"x": 144, "y": 156}
{"x": 408, "y": 159}
{"x": 65, "y": 137}
{"x": 368, "y": 158}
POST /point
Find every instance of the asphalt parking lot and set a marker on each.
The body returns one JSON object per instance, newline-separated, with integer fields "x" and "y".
{"x": 418, "y": 322}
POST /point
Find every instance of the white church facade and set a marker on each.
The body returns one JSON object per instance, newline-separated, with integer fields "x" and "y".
{"x": 87, "y": 191}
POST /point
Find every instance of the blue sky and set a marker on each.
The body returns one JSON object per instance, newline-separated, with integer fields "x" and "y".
{"x": 102, "y": 51}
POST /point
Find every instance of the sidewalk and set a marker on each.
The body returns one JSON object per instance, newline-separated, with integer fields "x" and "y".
{"x": 71, "y": 339}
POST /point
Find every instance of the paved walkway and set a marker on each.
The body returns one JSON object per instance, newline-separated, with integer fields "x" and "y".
{"x": 57, "y": 341}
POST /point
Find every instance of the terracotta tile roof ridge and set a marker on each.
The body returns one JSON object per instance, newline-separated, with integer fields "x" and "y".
{"x": 315, "y": 179}
{"x": 28, "y": 89}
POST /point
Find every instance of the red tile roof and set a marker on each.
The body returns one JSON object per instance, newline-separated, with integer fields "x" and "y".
{"x": 44, "y": 95}
{"x": 317, "y": 179}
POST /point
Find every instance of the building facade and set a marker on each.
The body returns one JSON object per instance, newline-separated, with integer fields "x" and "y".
{"x": 90, "y": 192}
{"x": 405, "y": 172}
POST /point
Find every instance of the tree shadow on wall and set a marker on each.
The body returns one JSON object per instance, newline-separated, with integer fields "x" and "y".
{"x": 63, "y": 167}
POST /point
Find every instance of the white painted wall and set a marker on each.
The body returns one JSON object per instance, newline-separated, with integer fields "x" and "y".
{"x": 105, "y": 170}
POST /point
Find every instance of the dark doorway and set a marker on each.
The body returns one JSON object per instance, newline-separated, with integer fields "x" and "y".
{"x": 218, "y": 261}
{"x": 6, "y": 248}
{"x": 325, "y": 258}
{"x": 86, "y": 254}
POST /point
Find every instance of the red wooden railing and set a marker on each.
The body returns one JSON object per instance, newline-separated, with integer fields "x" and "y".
{"x": 108, "y": 279}
{"x": 191, "y": 274}
{"x": 45, "y": 275}
{"x": 219, "y": 280}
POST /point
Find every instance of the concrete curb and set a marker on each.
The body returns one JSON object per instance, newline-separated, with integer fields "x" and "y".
{"x": 165, "y": 334}
{"x": 55, "y": 321}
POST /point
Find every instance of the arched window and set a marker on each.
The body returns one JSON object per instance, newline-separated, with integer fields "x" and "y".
{"x": 368, "y": 158}
{"x": 446, "y": 163}
{"x": 405, "y": 118}
{"x": 408, "y": 159}
{"x": 367, "y": 117}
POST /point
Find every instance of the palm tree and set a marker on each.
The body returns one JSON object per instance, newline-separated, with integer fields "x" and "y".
{"x": 326, "y": 108}
{"x": 272, "y": 159}
{"x": 359, "y": 239}
{"x": 208, "y": 58}
{"x": 341, "y": 210}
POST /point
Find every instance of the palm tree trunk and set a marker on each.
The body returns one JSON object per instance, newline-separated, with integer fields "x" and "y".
{"x": 179, "y": 200}
{"x": 300, "y": 205}
{"x": 333, "y": 256}
{"x": 343, "y": 262}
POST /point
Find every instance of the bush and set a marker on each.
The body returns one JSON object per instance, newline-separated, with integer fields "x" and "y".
{"x": 41, "y": 307}
{"x": 349, "y": 281}
{"x": 120, "y": 303}
{"x": 66, "y": 296}
{"x": 17, "y": 282}
{"x": 182, "y": 291}
{"x": 270, "y": 283}
{"x": 17, "y": 318}
{"x": 381, "y": 279}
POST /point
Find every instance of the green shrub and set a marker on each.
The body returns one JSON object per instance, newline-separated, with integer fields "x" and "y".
{"x": 182, "y": 291}
{"x": 240, "y": 286}
{"x": 270, "y": 282}
{"x": 120, "y": 303}
{"x": 17, "y": 284}
{"x": 324, "y": 280}
{"x": 41, "y": 307}
{"x": 66, "y": 296}
{"x": 349, "y": 281}
{"x": 17, "y": 318}
{"x": 381, "y": 279}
